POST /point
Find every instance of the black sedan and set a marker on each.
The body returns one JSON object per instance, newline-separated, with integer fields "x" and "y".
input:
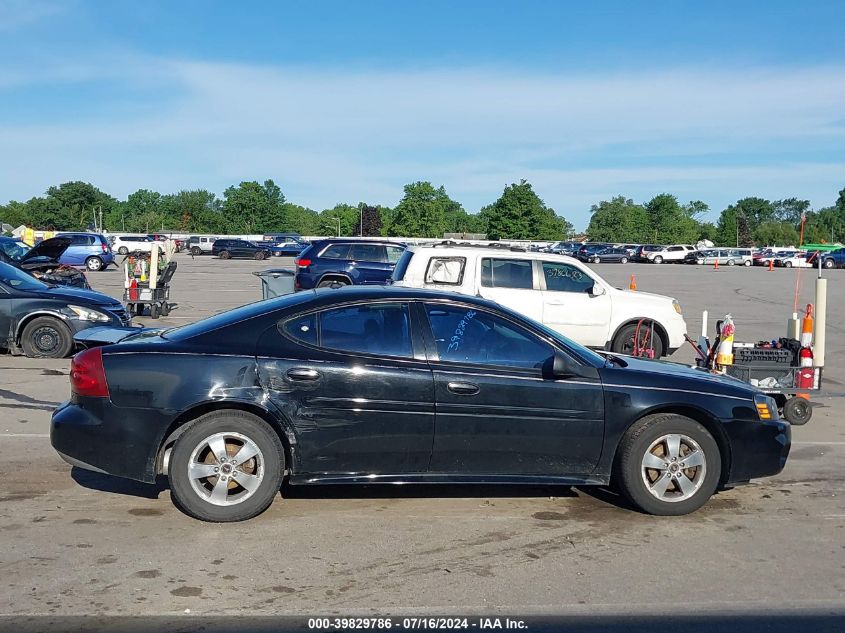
{"x": 40, "y": 320}
{"x": 228, "y": 249}
{"x": 607, "y": 255}
{"x": 396, "y": 385}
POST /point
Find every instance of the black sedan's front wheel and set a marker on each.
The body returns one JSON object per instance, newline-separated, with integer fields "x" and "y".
{"x": 668, "y": 465}
{"x": 227, "y": 466}
{"x": 46, "y": 337}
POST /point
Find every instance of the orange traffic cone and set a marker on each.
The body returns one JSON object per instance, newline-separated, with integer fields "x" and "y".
{"x": 633, "y": 284}
{"x": 771, "y": 264}
{"x": 716, "y": 265}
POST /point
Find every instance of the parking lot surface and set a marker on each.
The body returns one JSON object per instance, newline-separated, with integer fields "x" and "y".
{"x": 75, "y": 542}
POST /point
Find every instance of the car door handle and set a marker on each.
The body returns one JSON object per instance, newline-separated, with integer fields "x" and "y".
{"x": 302, "y": 374}
{"x": 557, "y": 303}
{"x": 463, "y": 388}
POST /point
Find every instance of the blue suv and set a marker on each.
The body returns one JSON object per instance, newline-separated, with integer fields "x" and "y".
{"x": 91, "y": 250}
{"x": 346, "y": 262}
{"x": 833, "y": 259}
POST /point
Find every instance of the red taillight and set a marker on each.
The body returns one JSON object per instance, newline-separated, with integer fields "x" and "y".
{"x": 302, "y": 262}
{"x": 104, "y": 247}
{"x": 87, "y": 377}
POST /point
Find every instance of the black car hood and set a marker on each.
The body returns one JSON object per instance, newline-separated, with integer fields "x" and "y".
{"x": 51, "y": 249}
{"x": 665, "y": 373}
{"x": 90, "y": 297}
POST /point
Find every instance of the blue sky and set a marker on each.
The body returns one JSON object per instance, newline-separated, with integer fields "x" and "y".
{"x": 348, "y": 101}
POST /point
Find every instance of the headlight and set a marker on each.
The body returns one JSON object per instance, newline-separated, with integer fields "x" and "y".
{"x": 677, "y": 307}
{"x": 87, "y": 314}
{"x": 767, "y": 408}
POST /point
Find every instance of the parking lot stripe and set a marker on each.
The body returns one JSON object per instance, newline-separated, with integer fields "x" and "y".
{"x": 24, "y": 435}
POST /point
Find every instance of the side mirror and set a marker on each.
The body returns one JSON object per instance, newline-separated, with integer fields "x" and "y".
{"x": 562, "y": 366}
{"x": 598, "y": 290}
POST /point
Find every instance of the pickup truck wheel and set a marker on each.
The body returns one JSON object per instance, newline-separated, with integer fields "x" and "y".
{"x": 195, "y": 250}
{"x": 46, "y": 337}
{"x": 624, "y": 341}
{"x": 228, "y": 466}
{"x": 668, "y": 465}
{"x": 657, "y": 259}
{"x": 828, "y": 263}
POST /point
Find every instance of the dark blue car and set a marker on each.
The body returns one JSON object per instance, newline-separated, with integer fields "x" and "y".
{"x": 833, "y": 259}
{"x": 346, "y": 262}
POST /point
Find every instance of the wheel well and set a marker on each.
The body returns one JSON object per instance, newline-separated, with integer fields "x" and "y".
{"x": 30, "y": 317}
{"x": 335, "y": 277}
{"x": 708, "y": 422}
{"x": 178, "y": 426}
{"x": 661, "y": 332}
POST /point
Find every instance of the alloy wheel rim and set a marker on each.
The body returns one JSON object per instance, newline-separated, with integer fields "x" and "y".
{"x": 673, "y": 468}
{"x": 226, "y": 469}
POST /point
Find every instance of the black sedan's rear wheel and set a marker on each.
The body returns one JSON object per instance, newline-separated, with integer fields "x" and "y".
{"x": 228, "y": 466}
{"x": 46, "y": 337}
{"x": 668, "y": 465}
{"x": 259, "y": 255}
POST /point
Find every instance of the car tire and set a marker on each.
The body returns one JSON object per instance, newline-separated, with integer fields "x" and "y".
{"x": 196, "y": 250}
{"x": 597, "y": 260}
{"x": 623, "y": 342}
{"x": 700, "y": 262}
{"x": 165, "y": 309}
{"x": 747, "y": 262}
{"x": 657, "y": 259}
{"x": 328, "y": 283}
{"x": 123, "y": 250}
{"x": 649, "y": 468}
{"x": 259, "y": 255}
{"x": 787, "y": 264}
{"x": 46, "y": 337}
{"x": 203, "y": 497}
{"x": 731, "y": 262}
{"x": 154, "y": 311}
{"x": 225, "y": 255}
{"x": 797, "y": 411}
{"x": 828, "y": 263}
{"x": 624, "y": 260}
{"x": 94, "y": 263}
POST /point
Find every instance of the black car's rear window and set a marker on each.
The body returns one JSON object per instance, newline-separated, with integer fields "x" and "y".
{"x": 402, "y": 265}
{"x": 244, "y": 313}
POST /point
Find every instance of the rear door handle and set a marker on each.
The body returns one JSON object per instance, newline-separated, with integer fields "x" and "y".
{"x": 463, "y": 388}
{"x": 302, "y": 374}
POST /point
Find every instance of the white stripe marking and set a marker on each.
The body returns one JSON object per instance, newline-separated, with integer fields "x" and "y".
{"x": 24, "y": 435}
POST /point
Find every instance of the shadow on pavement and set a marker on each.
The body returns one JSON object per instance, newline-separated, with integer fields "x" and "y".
{"x": 117, "y": 485}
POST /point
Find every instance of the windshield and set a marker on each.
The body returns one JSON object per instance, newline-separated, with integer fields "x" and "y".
{"x": 14, "y": 250}
{"x": 18, "y": 279}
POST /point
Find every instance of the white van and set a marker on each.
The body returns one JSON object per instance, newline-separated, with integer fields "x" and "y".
{"x": 558, "y": 291}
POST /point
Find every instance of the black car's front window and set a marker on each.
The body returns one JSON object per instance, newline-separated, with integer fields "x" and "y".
{"x": 19, "y": 280}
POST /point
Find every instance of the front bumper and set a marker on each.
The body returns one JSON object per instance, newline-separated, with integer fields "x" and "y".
{"x": 759, "y": 448}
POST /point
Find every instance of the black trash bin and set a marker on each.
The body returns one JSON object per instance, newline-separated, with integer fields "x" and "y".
{"x": 276, "y": 282}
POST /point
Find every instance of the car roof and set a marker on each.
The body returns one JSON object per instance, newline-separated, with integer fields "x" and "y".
{"x": 488, "y": 251}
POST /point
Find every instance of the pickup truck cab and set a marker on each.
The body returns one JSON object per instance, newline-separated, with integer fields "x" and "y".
{"x": 555, "y": 290}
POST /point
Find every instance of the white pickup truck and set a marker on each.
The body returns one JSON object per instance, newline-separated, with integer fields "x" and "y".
{"x": 558, "y": 291}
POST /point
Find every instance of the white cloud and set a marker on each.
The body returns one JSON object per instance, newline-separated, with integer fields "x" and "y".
{"x": 331, "y": 135}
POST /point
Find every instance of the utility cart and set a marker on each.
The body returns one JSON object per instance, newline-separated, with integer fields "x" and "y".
{"x": 147, "y": 283}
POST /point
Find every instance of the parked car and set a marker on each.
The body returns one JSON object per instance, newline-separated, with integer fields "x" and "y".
{"x": 201, "y": 244}
{"x": 798, "y": 259}
{"x": 725, "y": 256}
{"x": 764, "y": 256}
{"x": 40, "y": 320}
{"x": 432, "y": 369}
{"x": 558, "y": 291}
{"x": 91, "y": 250}
{"x": 287, "y": 246}
{"x": 607, "y": 255}
{"x": 161, "y": 237}
{"x": 833, "y": 259}
{"x": 631, "y": 248}
{"x": 125, "y": 244}
{"x": 42, "y": 261}
{"x": 585, "y": 250}
{"x": 669, "y": 254}
{"x": 346, "y": 262}
{"x": 564, "y": 248}
{"x": 228, "y": 249}
{"x": 641, "y": 254}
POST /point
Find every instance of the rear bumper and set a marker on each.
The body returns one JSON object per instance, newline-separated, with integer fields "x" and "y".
{"x": 758, "y": 448}
{"x": 104, "y": 438}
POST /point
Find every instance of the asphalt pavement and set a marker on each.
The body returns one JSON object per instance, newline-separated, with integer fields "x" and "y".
{"x": 74, "y": 542}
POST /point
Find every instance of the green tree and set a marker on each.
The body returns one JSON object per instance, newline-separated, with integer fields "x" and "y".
{"x": 423, "y": 211}
{"x": 348, "y": 215}
{"x": 776, "y": 234}
{"x": 520, "y": 214}
{"x": 670, "y": 223}
{"x": 253, "y": 208}
{"x": 619, "y": 220}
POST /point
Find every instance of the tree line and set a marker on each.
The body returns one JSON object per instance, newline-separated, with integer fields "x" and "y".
{"x": 426, "y": 211}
